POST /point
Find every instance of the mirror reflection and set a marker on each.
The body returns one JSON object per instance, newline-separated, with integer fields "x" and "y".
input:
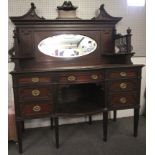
{"x": 67, "y": 45}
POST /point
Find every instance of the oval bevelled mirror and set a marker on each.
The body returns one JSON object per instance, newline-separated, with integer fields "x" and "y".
{"x": 67, "y": 45}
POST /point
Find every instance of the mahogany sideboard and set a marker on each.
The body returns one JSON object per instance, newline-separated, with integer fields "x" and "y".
{"x": 53, "y": 86}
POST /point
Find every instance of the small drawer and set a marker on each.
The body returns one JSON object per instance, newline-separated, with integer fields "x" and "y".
{"x": 84, "y": 77}
{"x": 122, "y": 100}
{"x": 33, "y": 80}
{"x": 34, "y": 109}
{"x": 27, "y": 93}
{"x": 123, "y": 85}
{"x": 121, "y": 73}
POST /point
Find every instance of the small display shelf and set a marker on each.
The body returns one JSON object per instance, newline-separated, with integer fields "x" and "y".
{"x": 118, "y": 54}
{"x": 119, "y": 58}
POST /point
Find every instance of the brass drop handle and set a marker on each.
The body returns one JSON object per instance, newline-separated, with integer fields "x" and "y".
{"x": 71, "y": 78}
{"x": 94, "y": 77}
{"x": 36, "y": 108}
{"x": 123, "y": 74}
{"x": 123, "y": 100}
{"x": 123, "y": 85}
{"x": 35, "y": 92}
{"x": 35, "y": 79}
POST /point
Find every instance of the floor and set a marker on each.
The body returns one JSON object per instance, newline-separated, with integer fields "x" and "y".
{"x": 85, "y": 139}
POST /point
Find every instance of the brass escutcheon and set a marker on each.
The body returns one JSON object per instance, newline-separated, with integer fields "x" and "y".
{"x": 123, "y": 74}
{"x": 71, "y": 78}
{"x": 36, "y": 108}
{"x": 94, "y": 76}
{"x": 122, "y": 100}
{"x": 35, "y": 79}
{"x": 35, "y": 92}
{"x": 123, "y": 85}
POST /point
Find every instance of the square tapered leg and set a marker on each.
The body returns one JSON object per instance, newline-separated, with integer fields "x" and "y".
{"x": 114, "y": 115}
{"x": 90, "y": 120}
{"x": 19, "y": 135}
{"x": 136, "y": 121}
{"x": 52, "y": 122}
{"x": 105, "y": 125}
{"x": 56, "y": 121}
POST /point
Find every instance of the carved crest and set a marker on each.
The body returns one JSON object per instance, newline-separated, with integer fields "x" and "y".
{"x": 67, "y": 6}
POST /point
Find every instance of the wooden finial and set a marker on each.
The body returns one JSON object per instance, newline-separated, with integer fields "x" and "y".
{"x": 128, "y": 30}
{"x": 102, "y": 7}
{"x": 33, "y": 6}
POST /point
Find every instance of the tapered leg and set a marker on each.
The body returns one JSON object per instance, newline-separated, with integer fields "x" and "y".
{"x": 56, "y": 131}
{"x": 136, "y": 120}
{"x": 51, "y": 123}
{"x": 90, "y": 119}
{"x": 114, "y": 115}
{"x": 19, "y": 135}
{"x": 23, "y": 126}
{"x": 105, "y": 125}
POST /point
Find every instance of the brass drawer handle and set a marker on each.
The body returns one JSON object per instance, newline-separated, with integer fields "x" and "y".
{"x": 94, "y": 76}
{"x": 35, "y": 79}
{"x": 123, "y": 85}
{"x": 71, "y": 78}
{"x": 123, "y": 100}
{"x": 36, "y": 108}
{"x": 35, "y": 92}
{"x": 123, "y": 74}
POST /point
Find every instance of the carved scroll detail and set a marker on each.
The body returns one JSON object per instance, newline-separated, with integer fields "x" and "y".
{"x": 11, "y": 53}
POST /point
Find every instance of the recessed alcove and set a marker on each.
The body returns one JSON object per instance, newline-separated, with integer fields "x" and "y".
{"x": 80, "y": 99}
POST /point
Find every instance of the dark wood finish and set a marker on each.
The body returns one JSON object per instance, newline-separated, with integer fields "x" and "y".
{"x": 33, "y": 93}
{"x": 136, "y": 120}
{"x": 114, "y": 115}
{"x": 99, "y": 82}
{"x": 56, "y": 122}
{"x": 122, "y": 100}
{"x": 123, "y": 85}
{"x": 81, "y": 77}
{"x": 90, "y": 119}
{"x": 122, "y": 73}
{"x": 105, "y": 124}
{"x": 52, "y": 121}
{"x": 19, "y": 135}
{"x": 23, "y": 126}
{"x": 33, "y": 79}
{"x": 35, "y": 109}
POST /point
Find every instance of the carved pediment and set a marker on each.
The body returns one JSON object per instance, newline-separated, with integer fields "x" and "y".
{"x": 30, "y": 15}
{"x": 103, "y": 15}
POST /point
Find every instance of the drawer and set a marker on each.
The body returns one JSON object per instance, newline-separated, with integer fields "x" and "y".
{"x": 35, "y": 93}
{"x": 122, "y": 100}
{"x": 121, "y": 73}
{"x": 123, "y": 85}
{"x": 33, "y": 80}
{"x": 84, "y": 77}
{"x": 35, "y": 109}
